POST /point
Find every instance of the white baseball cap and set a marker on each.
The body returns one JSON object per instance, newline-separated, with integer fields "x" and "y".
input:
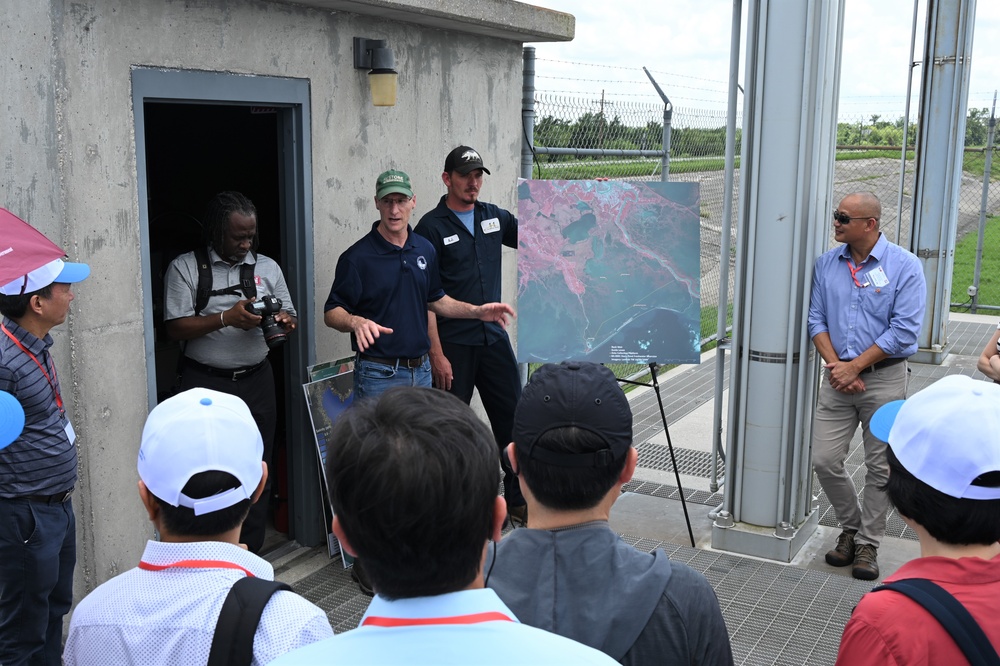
{"x": 946, "y": 435}
{"x": 11, "y": 419}
{"x": 196, "y": 431}
{"x": 56, "y": 270}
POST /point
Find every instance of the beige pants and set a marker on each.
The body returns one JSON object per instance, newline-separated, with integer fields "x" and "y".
{"x": 835, "y": 422}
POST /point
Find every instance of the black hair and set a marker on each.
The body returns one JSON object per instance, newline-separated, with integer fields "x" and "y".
{"x": 413, "y": 478}
{"x": 948, "y": 519}
{"x": 181, "y": 521}
{"x": 15, "y": 307}
{"x": 218, "y": 212}
{"x": 569, "y": 488}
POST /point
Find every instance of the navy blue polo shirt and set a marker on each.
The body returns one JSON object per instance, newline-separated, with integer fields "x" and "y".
{"x": 470, "y": 265}
{"x": 390, "y": 286}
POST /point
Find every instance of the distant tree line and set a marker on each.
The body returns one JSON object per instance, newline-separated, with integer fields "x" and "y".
{"x": 877, "y": 132}
{"x": 594, "y": 130}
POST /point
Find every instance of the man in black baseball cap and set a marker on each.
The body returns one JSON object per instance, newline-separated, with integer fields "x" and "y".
{"x": 466, "y": 356}
{"x": 569, "y": 573}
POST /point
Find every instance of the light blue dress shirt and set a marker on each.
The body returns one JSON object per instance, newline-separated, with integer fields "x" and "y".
{"x": 882, "y": 303}
{"x": 445, "y": 629}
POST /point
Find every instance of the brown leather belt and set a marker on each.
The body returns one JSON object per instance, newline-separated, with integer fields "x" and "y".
{"x": 394, "y": 362}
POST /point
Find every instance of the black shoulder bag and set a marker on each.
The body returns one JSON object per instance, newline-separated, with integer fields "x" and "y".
{"x": 232, "y": 644}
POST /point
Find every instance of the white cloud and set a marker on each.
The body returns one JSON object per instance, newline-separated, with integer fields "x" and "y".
{"x": 686, "y": 44}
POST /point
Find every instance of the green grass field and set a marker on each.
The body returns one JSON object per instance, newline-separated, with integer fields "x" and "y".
{"x": 965, "y": 267}
{"x": 972, "y": 163}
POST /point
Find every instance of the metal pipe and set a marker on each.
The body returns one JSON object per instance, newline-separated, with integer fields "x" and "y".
{"x": 527, "y": 110}
{"x": 725, "y": 242}
{"x": 906, "y": 125}
{"x": 668, "y": 111}
{"x": 987, "y": 167}
{"x": 527, "y": 138}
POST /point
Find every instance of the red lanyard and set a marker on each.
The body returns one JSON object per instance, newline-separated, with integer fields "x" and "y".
{"x": 854, "y": 272}
{"x": 194, "y": 564}
{"x": 474, "y": 618}
{"x": 59, "y": 402}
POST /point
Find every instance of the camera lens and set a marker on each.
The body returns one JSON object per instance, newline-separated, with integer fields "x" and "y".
{"x": 274, "y": 334}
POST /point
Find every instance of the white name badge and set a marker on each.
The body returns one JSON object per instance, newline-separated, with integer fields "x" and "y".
{"x": 491, "y": 225}
{"x": 878, "y": 277}
{"x": 451, "y": 239}
{"x": 70, "y": 434}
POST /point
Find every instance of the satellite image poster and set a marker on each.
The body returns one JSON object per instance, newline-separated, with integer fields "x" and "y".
{"x": 608, "y": 271}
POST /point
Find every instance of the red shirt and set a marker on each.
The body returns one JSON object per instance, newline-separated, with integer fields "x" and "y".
{"x": 889, "y": 628}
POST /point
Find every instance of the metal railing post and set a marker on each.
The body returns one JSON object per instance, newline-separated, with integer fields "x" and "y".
{"x": 987, "y": 167}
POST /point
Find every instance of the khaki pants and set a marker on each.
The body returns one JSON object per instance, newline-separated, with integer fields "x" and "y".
{"x": 836, "y": 419}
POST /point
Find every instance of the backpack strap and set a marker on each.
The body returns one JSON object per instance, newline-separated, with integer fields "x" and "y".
{"x": 247, "y": 285}
{"x": 232, "y": 644}
{"x": 204, "y": 290}
{"x": 952, "y": 615}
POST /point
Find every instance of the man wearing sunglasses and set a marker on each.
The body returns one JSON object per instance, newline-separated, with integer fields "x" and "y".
{"x": 865, "y": 311}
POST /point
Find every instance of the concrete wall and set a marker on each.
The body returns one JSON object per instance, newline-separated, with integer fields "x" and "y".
{"x": 69, "y": 168}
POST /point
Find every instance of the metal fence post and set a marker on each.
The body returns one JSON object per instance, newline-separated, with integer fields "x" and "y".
{"x": 527, "y": 137}
{"x": 527, "y": 110}
{"x": 987, "y": 168}
{"x": 668, "y": 110}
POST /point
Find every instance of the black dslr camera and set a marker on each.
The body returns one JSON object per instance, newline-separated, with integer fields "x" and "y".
{"x": 265, "y": 308}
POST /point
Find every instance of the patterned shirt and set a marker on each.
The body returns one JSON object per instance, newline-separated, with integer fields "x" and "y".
{"x": 168, "y": 617}
{"x": 42, "y": 461}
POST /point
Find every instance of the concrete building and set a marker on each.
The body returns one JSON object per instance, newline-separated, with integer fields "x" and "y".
{"x": 123, "y": 117}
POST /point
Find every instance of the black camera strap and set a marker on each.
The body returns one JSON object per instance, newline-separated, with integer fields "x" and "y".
{"x": 247, "y": 285}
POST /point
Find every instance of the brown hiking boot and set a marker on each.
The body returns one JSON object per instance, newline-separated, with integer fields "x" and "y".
{"x": 865, "y": 562}
{"x": 843, "y": 554}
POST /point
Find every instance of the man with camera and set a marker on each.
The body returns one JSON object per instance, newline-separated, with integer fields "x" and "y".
{"x": 229, "y": 323}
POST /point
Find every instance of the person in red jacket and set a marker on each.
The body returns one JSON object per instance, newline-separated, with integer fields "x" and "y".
{"x": 944, "y": 480}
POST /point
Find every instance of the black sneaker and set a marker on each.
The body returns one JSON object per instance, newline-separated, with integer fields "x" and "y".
{"x": 843, "y": 554}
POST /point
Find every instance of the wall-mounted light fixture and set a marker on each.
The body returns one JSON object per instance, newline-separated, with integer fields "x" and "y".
{"x": 376, "y": 56}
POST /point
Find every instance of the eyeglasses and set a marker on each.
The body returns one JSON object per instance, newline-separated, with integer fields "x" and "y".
{"x": 389, "y": 203}
{"x": 843, "y": 218}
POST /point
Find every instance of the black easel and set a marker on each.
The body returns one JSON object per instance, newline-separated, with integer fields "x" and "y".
{"x": 653, "y": 367}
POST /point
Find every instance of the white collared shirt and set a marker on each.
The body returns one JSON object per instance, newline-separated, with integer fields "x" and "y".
{"x": 169, "y": 616}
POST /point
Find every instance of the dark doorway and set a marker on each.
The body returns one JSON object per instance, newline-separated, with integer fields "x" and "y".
{"x": 192, "y": 152}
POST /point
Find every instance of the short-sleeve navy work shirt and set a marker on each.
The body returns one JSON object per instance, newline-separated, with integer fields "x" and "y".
{"x": 470, "y": 265}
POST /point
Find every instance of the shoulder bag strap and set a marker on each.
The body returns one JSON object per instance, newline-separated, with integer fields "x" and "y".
{"x": 952, "y": 615}
{"x": 232, "y": 644}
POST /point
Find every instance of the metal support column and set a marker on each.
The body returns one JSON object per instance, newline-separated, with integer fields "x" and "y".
{"x": 944, "y": 92}
{"x": 786, "y": 183}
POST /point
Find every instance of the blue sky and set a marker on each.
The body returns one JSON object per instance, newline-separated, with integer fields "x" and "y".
{"x": 685, "y": 43}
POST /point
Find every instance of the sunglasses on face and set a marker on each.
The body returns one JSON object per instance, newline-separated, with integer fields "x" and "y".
{"x": 843, "y": 218}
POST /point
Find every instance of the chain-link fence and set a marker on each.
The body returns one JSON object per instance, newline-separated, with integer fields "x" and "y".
{"x": 869, "y": 154}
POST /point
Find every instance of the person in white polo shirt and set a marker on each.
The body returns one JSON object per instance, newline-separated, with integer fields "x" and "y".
{"x": 200, "y": 470}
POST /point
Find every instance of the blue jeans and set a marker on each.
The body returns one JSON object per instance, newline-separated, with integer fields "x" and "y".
{"x": 373, "y": 379}
{"x": 37, "y": 556}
